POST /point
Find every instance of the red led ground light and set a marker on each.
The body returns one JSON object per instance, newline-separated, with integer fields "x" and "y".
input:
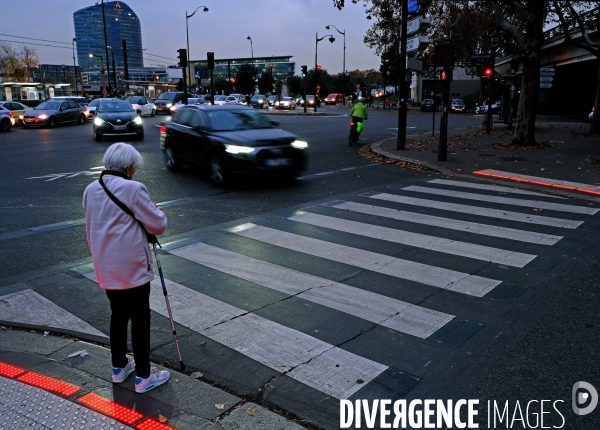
{"x": 49, "y": 384}
{"x": 10, "y": 371}
{"x": 110, "y": 408}
{"x": 536, "y": 182}
{"x": 150, "y": 424}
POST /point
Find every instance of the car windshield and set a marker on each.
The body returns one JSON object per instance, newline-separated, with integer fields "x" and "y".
{"x": 167, "y": 96}
{"x": 115, "y": 107}
{"x": 230, "y": 120}
{"x": 135, "y": 100}
{"x": 254, "y": 98}
{"x": 49, "y": 106}
{"x": 457, "y": 102}
{"x": 331, "y": 96}
{"x": 427, "y": 101}
{"x": 287, "y": 99}
{"x": 310, "y": 97}
{"x": 220, "y": 98}
{"x": 271, "y": 97}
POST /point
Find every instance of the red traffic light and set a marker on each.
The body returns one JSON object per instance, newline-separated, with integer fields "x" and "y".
{"x": 319, "y": 67}
{"x": 487, "y": 72}
{"x": 443, "y": 75}
{"x": 233, "y": 80}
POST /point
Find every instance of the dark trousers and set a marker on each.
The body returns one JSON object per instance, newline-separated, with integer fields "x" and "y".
{"x": 131, "y": 304}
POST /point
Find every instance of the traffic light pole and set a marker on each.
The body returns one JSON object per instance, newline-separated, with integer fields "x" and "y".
{"x": 443, "y": 144}
{"x": 401, "y": 139}
{"x": 490, "y": 116}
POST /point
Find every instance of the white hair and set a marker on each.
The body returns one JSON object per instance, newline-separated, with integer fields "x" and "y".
{"x": 120, "y": 155}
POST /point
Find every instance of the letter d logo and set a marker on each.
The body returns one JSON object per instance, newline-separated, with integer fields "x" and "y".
{"x": 580, "y": 398}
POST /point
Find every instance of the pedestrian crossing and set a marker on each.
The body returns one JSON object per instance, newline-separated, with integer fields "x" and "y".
{"x": 457, "y": 247}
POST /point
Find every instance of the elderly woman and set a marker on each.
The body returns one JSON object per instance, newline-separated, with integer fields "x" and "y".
{"x": 122, "y": 259}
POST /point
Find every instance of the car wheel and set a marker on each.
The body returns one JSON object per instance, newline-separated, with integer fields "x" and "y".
{"x": 25, "y": 125}
{"x": 153, "y": 112}
{"x": 5, "y": 125}
{"x": 139, "y": 113}
{"x": 97, "y": 136}
{"x": 82, "y": 120}
{"x": 215, "y": 173}
{"x": 52, "y": 122}
{"x": 170, "y": 161}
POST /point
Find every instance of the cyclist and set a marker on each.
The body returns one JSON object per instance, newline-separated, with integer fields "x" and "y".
{"x": 359, "y": 113}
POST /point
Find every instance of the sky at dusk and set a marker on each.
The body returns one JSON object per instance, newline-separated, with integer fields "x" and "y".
{"x": 277, "y": 27}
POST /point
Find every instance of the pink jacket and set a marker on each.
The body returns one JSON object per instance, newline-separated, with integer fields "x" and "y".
{"x": 120, "y": 250}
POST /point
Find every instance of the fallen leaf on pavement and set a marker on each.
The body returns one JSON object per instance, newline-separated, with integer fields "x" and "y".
{"x": 537, "y": 210}
{"x": 251, "y": 411}
{"x": 196, "y": 375}
{"x": 45, "y": 325}
{"x": 162, "y": 418}
{"x": 357, "y": 176}
{"x": 459, "y": 169}
{"x": 220, "y": 406}
{"x": 203, "y": 343}
{"x": 81, "y": 353}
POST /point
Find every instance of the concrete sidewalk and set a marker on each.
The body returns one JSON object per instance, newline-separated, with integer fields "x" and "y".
{"x": 565, "y": 154}
{"x": 52, "y": 381}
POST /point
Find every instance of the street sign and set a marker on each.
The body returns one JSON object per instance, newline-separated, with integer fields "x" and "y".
{"x": 545, "y": 85}
{"x": 480, "y": 56}
{"x": 318, "y": 87}
{"x": 417, "y": 42}
{"x": 546, "y": 79}
{"x": 417, "y": 25}
{"x": 197, "y": 74}
{"x": 547, "y": 74}
{"x": 547, "y": 69}
{"x": 414, "y": 64}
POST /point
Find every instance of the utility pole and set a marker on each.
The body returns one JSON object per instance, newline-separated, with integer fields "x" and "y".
{"x": 402, "y": 108}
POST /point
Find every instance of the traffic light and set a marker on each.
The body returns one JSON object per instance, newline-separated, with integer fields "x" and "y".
{"x": 233, "y": 80}
{"x": 210, "y": 56}
{"x": 318, "y": 71}
{"x": 304, "y": 71}
{"x": 487, "y": 72}
{"x": 182, "y": 57}
{"x": 443, "y": 75}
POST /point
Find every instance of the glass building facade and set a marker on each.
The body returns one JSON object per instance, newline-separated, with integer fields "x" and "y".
{"x": 281, "y": 68}
{"x": 121, "y": 24}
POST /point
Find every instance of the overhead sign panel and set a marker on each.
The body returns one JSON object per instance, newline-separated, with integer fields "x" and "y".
{"x": 545, "y": 85}
{"x": 417, "y": 25}
{"x": 546, "y": 79}
{"x": 414, "y": 64}
{"x": 547, "y": 69}
{"x": 417, "y": 42}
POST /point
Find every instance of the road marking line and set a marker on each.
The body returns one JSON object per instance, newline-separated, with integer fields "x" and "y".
{"x": 452, "y": 224}
{"x": 454, "y": 247}
{"x": 404, "y": 269}
{"x": 504, "y": 200}
{"x": 475, "y": 210}
{"x": 386, "y": 311}
{"x": 489, "y": 187}
{"x": 314, "y": 175}
{"x": 308, "y": 360}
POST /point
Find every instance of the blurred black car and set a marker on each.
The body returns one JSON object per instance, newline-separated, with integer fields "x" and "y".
{"x": 231, "y": 142}
{"x": 164, "y": 102}
{"x": 428, "y": 105}
{"x": 117, "y": 117}
{"x": 53, "y": 112}
{"x": 458, "y": 105}
{"x": 259, "y": 101}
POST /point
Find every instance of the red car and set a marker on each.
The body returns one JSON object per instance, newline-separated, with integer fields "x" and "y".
{"x": 334, "y": 98}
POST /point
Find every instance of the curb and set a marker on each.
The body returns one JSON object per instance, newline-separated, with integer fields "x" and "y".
{"x": 376, "y": 148}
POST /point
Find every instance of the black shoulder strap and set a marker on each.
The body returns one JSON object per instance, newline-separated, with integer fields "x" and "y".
{"x": 151, "y": 238}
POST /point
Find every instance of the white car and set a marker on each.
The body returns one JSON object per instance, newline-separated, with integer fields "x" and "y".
{"x": 239, "y": 99}
{"x": 220, "y": 100}
{"x": 286, "y": 103}
{"x": 142, "y": 105}
{"x": 91, "y": 107}
{"x": 18, "y": 109}
{"x": 202, "y": 100}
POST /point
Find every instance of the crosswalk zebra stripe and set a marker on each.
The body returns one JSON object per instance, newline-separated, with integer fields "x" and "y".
{"x": 475, "y": 210}
{"x": 454, "y": 247}
{"x": 308, "y": 360}
{"x": 386, "y": 311}
{"x": 489, "y": 187}
{"x": 504, "y": 200}
{"x": 404, "y": 269}
{"x": 452, "y": 224}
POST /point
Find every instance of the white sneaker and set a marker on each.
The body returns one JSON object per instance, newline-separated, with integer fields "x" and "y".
{"x": 156, "y": 378}
{"x": 119, "y": 374}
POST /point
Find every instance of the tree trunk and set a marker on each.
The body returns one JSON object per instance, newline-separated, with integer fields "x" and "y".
{"x": 526, "y": 113}
{"x": 595, "y": 128}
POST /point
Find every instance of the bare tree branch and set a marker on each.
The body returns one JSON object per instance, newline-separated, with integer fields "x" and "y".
{"x": 507, "y": 26}
{"x": 519, "y": 8}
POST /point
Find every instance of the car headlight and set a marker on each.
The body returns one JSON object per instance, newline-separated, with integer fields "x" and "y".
{"x": 137, "y": 120}
{"x": 169, "y": 105}
{"x": 236, "y": 149}
{"x": 300, "y": 144}
{"x": 43, "y": 116}
{"x": 20, "y": 116}
{"x": 98, "y": 121}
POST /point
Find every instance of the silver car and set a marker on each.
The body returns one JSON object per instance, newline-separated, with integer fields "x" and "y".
{"x": 6, "y": 119}
{"x": 53, "y": 112}
{"x": 143, "y": 105}
{"x": 18, "y": 109}
{"x": 286, "y": 103}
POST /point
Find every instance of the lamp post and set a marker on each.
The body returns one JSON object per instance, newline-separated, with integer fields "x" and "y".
{"x": 344, "y": 61}
{"x": 187, "y": 34}
{"x": 105, "y": 46}
{"x": 75, "y": 68}
{"x": 317, "y": 40}
{"x": 101, "y": 72}
{"x": 252, "y": 53}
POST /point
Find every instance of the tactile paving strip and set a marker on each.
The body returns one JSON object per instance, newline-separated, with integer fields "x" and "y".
{"x": 24, "y": 406}
{"x": 567, "y": 185}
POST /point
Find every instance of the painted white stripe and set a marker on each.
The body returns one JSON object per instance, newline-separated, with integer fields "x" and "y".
{"x": 504, "y": 200}
{"x": 313, "y": 362}
{"x": 489, "y": 188}
{"x": 452, "y": 224}
{"x": 475, "y": 210}
{"x": 386, "y": 311}
{"x": 454, "y": 247}
{"x": 404, "y": 269}
{"x": 29, "y": 307}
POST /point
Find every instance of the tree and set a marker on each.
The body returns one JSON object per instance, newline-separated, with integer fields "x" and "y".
{"x": 577, "y": 16}
{"x": 264, "y": 83}
{"x": 16, "y": 65}
{"x": 523, "y": 22}
{"x": 295, "y": 85}
{"x": 245, "y": 77}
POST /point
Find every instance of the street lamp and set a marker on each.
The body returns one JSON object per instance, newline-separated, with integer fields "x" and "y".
{"x": 344, "y": 64}
{"x": 317, "y": 40}
{"x": 101, "y": 72}
{"x": 75, "y": 69}
{"x": 187, "y": 34}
